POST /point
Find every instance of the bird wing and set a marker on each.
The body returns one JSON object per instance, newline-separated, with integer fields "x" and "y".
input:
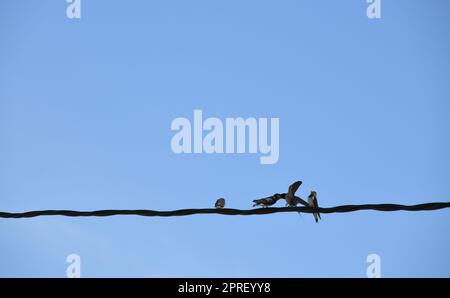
{"x": 293, "y": 188}
{"x": 301, "y": 201}
{"x": 312, "y": 201}
{"x": 316, "y": 205}
{"x": 261, "y": 201}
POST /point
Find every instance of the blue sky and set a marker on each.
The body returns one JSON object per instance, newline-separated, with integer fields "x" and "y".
{"x": 85, "y": 113}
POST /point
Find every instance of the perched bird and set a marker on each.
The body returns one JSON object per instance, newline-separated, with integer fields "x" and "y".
{"x": 220, "y": 203}
{"x": 290, "y": 196}
{"x": 266, "y": 202}
{"x": 312, "y": 201}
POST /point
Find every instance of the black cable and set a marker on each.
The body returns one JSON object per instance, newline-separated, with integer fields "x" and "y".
{"x": 227, "y": 211}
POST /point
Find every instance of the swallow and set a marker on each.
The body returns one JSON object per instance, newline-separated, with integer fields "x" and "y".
{"x": 220, "y": 203}
{"x": 266, "y": 202}
{"x": 290, "y": 196}
{"x": 312, "y": 201}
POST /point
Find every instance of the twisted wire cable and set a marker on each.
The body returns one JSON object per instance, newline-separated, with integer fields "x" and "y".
{"x": 228, "y": 211}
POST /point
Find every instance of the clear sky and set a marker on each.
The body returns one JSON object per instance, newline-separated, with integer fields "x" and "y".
{"x": 86, "y": 107}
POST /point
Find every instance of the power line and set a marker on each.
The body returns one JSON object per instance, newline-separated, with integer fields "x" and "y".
{"x": 227, "y": 211}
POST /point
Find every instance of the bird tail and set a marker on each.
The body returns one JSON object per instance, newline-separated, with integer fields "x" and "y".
{"x": 316, "y": 217}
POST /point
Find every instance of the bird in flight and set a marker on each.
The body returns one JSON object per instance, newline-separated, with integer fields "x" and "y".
{"x": 312, "y": 201}
{"x": 220, "y": 203}
{"x": 266, "y": 202}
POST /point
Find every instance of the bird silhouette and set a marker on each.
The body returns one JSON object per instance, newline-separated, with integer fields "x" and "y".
{"x": 220, "y": 203}
{"x": 266, "y": 202}
{"x": 312, "y": 201}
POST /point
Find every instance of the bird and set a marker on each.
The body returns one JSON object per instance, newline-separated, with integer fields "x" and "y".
{"x": 266, "y": 202}
{"x": 290, "y": 196}
{"x": 312, "y": 201}
{"x": 220, "y": 203}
